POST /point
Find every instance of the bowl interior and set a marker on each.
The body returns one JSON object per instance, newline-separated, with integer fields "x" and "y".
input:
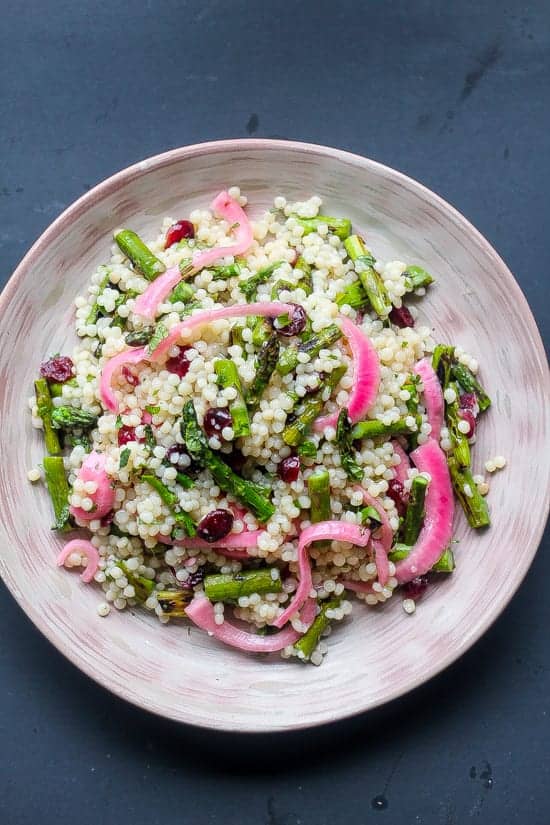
{"x": 379, "y": 654}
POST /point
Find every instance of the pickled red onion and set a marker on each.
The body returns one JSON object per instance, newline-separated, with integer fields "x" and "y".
{"x": 147, "y": 303}
{"x": 201, "y": 612}
{"x": 401, "y": 469}
{"x": 436, "y": 531}
{"x": 382, "y": 538}
{"x": 327, "y": 530}
{"x": 366, "y": 375}
{"x": 433, "y": 396}
{"x": 93, "y": 469}
{"x": 128, "y": 356}
{"x": 87, "y": 549}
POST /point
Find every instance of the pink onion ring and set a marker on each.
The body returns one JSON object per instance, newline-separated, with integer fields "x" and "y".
{"x": 433, "y": 396}
{"x": 93, "y": 469}
{"x": 87, "y": 549}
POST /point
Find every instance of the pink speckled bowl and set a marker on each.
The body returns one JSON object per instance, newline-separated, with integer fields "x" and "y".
{"x": 181, "y": 673}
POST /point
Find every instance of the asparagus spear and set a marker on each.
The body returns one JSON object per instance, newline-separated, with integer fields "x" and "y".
{"x": 143, "y": 587}
{"x": 442, "y": 360}
{"x": 307, "y": 449}
{"x": 223, "y": 273}
{"x": 344, "y": 440}
{"x": 289, "y": 358}
{"x": 444, "y": 564}
{"x": 131, "y": 245}
{"x": 69, "y": 417}
{"x": 82, "y": 440}
{"x": 174, "y": 602}
{"x": 374, "y": 428}
{"x": 261, "y": 331}
{"x": 370, "y": 516}
{"x": 237, "y": 335}
{"x": 354, "y": 296}
{"x": 307, "y": 643}
{"x": 182, "y": 518}
{"x": 469, "y": 383}
{"x": 229, "y": 587}
{"x": 338, "y": 226}
{"x": 318, "y": 487}
{"x": 139, "y": 338}
{"x": 414, "y": 515}
{"x": 473, "y": 503}
{"x": 96, "y": 309}
{"x": 305, "y": 281}
{"x": 461, "y": 448}
{"x": 369, "y": 277}
{"x": 249, "y": 287}
{"x": 416, "y": 277}
{"x": 228, "y": 376}
{"x": 223, "y": 475}
{"x": 159, "y": 334}
{"x": 58, "y": 488}
{"x": 45, "y": 409}
{"x": 182, "y": 292}
{"x": 311, "y": 408}
{"x": 266, "y": 361}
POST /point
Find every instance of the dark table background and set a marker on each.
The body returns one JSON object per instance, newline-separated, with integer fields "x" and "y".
{"x": 454, "y": 94}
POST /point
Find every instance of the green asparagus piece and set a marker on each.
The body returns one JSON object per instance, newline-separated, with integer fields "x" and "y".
{"x": 416, "y": 277}
{"x": 289, "y": 358}
{"x": 182, "y": 518}
{"x": 414, "y": 515}
{"x": 305, "y": 282}
{"x": 442, "y": 360}
{"x": 131, "y": 245}
{"x": 197, "y": 446}
{"x": 143, "y": 587}
{"x": 117, "y": 319}
{"x": 96, "y": 309}
{"x": 189, "y": 309}
{"x": 70, "y": 417}
{"x": 370, "y": 515}
{"x": 249, "y": 287}
{"x": 58, "y": 488}
{"x": 160, "y": 333}
{"x": 461, "y": 448}
{"x": 311, "y": 408}
{"x": 82, "y": 440}
{"x": 139, "y": 338}
{"x": 344, "y": 440}
{"x": 307, "y": 449}
{"x": 445, "y": 563}
{"x": 182, "y": 292}
{"x": 45, "y": 409}
{"x": 265, "y": 365}
{"x": 229, "y": 587}
{"x": 237, "y": 335}
{"x": 338, "y": 226}
{"x": 469, "y": 383}
{"x": 228, "y": 376}
{"x": 474, "y": 505}
{"x": 223, "y": 273}
{"x": 369, "y": 277}
{"x": 174, "y": 602}
{"x": 307, "y": 643}
{"x": 56, "y": 388}
{"x": 318, "y": 487}
{"x": 354, "y": 296}
{"x": 374, "y": 428}
{"x": 261, "y": 331}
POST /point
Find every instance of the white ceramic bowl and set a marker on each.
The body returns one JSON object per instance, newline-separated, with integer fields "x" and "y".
{"x": 379, "y": 654}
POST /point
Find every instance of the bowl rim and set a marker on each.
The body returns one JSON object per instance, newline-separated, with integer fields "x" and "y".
{"x": 109, "y": 185}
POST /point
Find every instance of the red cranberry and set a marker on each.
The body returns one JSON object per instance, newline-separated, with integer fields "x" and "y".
{"x": 178, "y": 231}
{"x": 215, "y": 525}
{"x": 126, "y": 434}
{"x": 174, "y": 454}
{"x": 235, "y": 459}
{"x": 108, "y": 518}
{"x": 129, "y": 376}
{"x": 59, "y": 369}
{"x": 398, "y": 495}
{"x": 468, "y": 401}
{"x": 296, "y": 324}
{"x": 401, "y": 317}
{"x": 469, "y": 417}
{"x": 416, "y": 587}
{"x": 179, "y": 364}
{"x": 289, "y": 468}
{"x": 215, "y": 420}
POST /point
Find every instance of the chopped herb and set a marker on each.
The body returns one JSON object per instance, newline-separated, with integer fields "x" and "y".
{"x": 124, "y": 456}
{"x": 159, "y": 335}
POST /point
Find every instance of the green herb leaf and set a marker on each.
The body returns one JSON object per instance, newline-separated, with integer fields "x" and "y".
{"x": 118, "y": 423}
{"x": 149, "y": 437}
{"x": 152, "y": 410}
{"x": 124, "y": 456}
{"x": 159, "y": 335}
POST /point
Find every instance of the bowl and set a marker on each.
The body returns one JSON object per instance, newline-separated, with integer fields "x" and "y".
{"x": 179, "y": 672}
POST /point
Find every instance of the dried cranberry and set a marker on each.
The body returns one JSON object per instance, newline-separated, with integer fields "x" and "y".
{"x": 108, "y": 518}
{"x": 179, "y": 364}
{"x": 126, "y": 434}
{"x": 215, "y": 420}
{"x": 296, "y": 324}
{"x": 215, "y": 525}
{"x": 416, "y": 587}
{"x": 129, "y": 376}
{"x": 178, "y": 231}
{"x": 401, "y": 317}
{"x": 59, "y": 369}
{"x": 289, "y": 468}
{"x": 235, "y": 459}
{"x": 174, "y": 454}
{"x": 398, "y": 495}
{"x": 468, "y": 401}
{"x": 469, "y": 417}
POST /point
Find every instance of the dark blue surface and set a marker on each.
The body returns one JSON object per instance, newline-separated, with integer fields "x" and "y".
{"x": 454, "y": 94}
